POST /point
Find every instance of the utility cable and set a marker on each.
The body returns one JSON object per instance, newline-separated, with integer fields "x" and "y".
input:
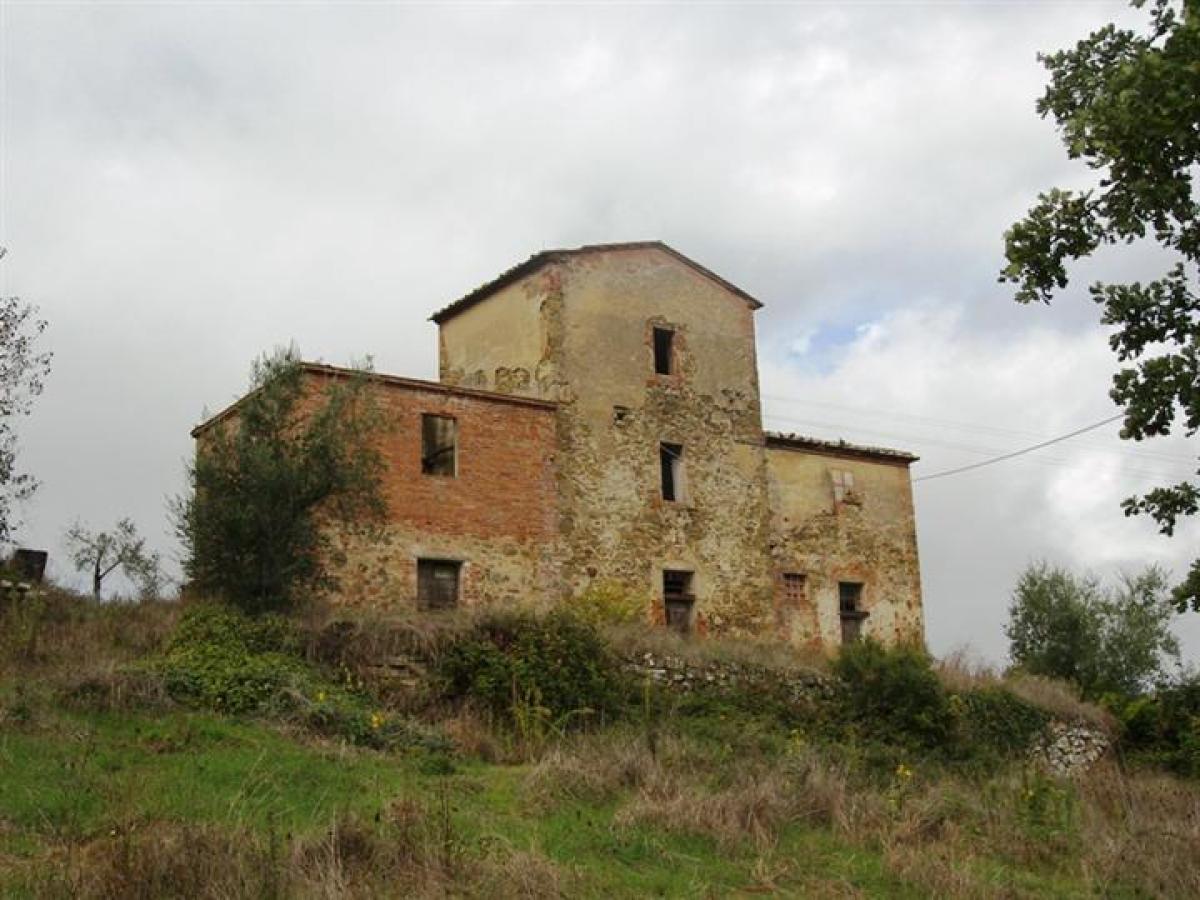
{"x": 1022, "y": 452}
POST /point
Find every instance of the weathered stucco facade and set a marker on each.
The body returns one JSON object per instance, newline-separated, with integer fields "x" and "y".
{"x": 609, "y": 433}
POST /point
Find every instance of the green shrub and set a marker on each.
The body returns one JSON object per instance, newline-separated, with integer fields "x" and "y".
{"x": 512, "y": 661}
{"x": 893, "y": 694}
{"x": 1163, "y": 728}
{"x": 995, "y": 720}
{"x": 221, "y": 659}
{"x": 224, "y": 660}
{"x": 610, "y": 603}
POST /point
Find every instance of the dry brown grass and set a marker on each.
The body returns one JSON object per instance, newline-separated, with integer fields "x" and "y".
{"x": 948, "y": 835}
{"x": 591, "y": 770}
{"x": 64, "y": 645}
{"x": 58, "y": 632}
{"x": 664, "y": 785}
{"x": 1142, "y": 828}
{"x": 405, "y": 858}
{"x": 633, "y": 640}
{"x": 1060, "y": 700}
{"x": 958, "y": 672}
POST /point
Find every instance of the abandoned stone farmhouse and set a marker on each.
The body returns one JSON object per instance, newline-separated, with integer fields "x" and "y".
{"x": 596, "y": 427}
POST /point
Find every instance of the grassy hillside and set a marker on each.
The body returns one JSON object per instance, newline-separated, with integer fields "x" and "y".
{"x": 119, "y": 777}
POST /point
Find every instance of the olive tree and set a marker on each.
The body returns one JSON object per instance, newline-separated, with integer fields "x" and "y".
{"x": 100, "y": 553}
{"x": 299, "y": 454}
{"x": 1105, "y": 640}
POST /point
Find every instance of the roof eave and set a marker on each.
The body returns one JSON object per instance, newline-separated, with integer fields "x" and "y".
{"x": 841, "y": 449}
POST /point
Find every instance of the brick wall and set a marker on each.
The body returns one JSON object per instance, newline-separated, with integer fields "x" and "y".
{"x": 498, "y": 515}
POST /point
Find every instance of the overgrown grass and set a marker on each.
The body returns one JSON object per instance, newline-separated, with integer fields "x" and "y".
{"x": 112, "y": 784}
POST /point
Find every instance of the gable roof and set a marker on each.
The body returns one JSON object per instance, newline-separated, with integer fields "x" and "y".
{"x": 538, "y": 260}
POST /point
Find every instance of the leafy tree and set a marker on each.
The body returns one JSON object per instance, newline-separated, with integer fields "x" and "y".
{"x": 1103, "y": 640}
{"x": 22, "y": 375}
{"x": 102, "y": 552}
{"x": 294, "y": 458}
{"x": 1127, "y": 103}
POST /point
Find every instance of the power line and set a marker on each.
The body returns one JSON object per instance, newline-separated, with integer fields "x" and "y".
{"x": 945, "y": 423}
{"x": 1022, "y": 452}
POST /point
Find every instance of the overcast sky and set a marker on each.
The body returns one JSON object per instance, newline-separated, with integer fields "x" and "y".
{"x": 187, "y": 185}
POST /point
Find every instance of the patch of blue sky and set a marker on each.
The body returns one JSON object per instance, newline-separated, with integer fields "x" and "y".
{"x": 817, "y": 350}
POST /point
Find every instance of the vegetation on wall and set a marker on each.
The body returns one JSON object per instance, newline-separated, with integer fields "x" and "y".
{"x": 268, "y": 477}
{"x": 555, "y": 664}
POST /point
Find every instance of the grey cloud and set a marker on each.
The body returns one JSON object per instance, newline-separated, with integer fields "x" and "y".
{"x": 187, "y": 186}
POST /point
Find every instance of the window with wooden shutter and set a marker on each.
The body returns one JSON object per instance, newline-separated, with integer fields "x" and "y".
{"x": 437, "y": 583}
{"x": 851, "y": 611}
{"x": 678, "y": 599}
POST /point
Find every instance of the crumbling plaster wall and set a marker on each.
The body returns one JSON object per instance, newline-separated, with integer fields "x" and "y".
{"x": 502, "y": 343}
{"x": 615, "y": 411}
{"x": 872, "y": 541}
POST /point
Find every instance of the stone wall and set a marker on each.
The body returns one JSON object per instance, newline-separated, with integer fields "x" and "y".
{"x": 869, "y": 538}
{"x": 1064, "y": 749}
{"x": 596, "y": 314}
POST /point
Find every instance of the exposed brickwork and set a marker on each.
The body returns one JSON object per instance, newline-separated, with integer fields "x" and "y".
{"x": 505, "y": 486}
{"x": 498, "y": 515}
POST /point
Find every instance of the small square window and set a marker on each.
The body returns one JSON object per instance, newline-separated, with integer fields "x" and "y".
{"x": 437, "y": 583}
{"x": 664, "y": 346}
{"x": 793, "y": 589}
{"x": 439, "y": 445}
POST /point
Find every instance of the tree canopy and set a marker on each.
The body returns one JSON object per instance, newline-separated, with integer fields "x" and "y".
{"x": 100, "y": 553}
{"x": 23, "y": 370}
{"x": 1105, "y": 641}
{"x": 292, "y": 460}
{"x": 1127, "y": 103}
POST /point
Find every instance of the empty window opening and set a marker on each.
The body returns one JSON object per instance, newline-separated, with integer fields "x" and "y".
{"x": 439, "y": 445}
{"x": 793, "y": 589}
{"x": 678, "y": 599}
{"x": 670, "y": 459}
{"x": 437, "y": 583}
{"x": 664, "y": 341}
{"x": 850, "y": 608}
{"x": 621, "y": 414}
{"x": 843, "y": 486}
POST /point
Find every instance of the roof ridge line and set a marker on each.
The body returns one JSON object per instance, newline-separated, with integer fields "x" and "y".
{"x": 542, "y": 257}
